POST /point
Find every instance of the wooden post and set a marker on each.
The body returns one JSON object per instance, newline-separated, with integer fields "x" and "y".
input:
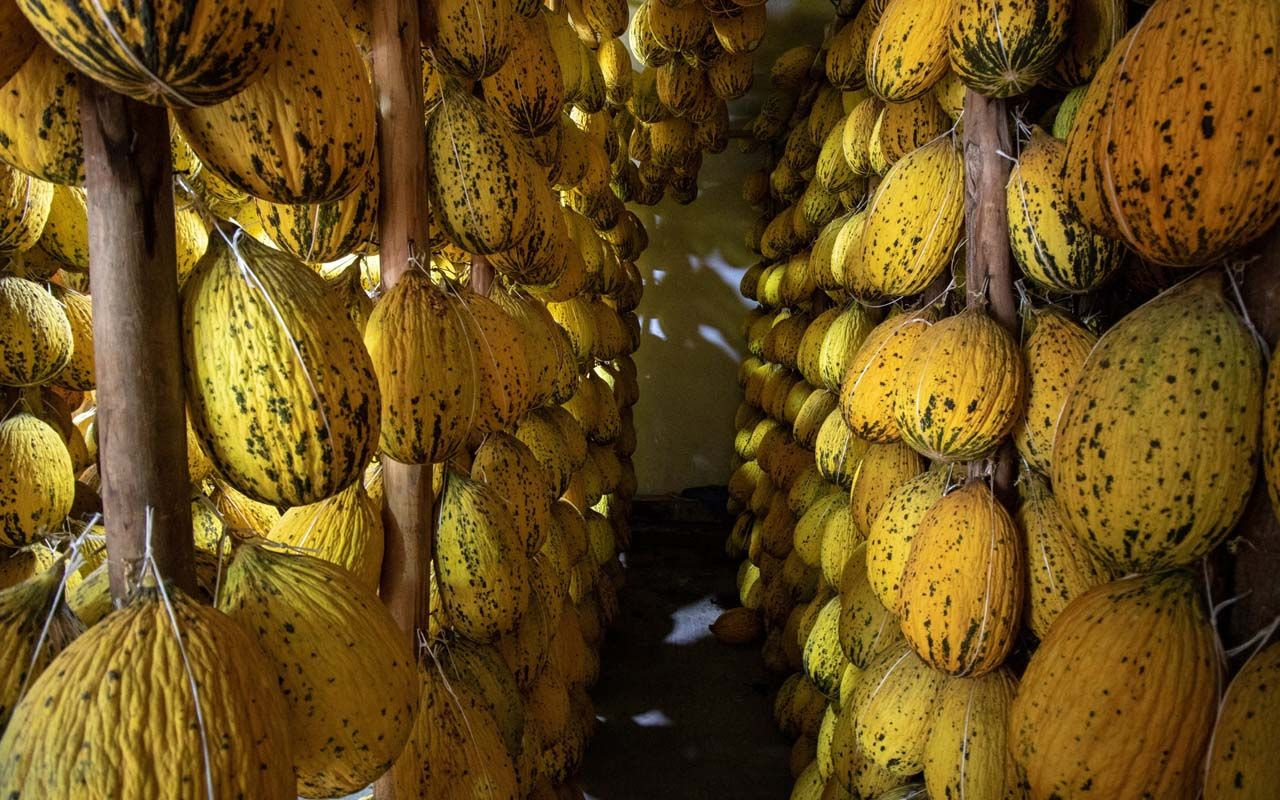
{"x": 142, "y": 422}
{"x": 403, "y": 237}
{"x": 988, "y": 259}
{"x": 481, "y": 275}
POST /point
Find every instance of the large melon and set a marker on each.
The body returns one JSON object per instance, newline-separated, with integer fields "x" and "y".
{"x": 225, "y": 734}
{"x": 305, "y": 132}
{"x": 282, "y": 393}
{"x": 36, "y": 340}
{"x": 175, "y": 54}
{"x": 1139, "y": 659}
{"x": 1157, "y": 446}
{"x": 40, "y": 119}
{"x": 1002, "y": 49}
{"x": 347, "y": 670}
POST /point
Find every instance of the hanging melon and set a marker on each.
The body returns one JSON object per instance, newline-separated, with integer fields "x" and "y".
{"x": 504, "y": 383}
{"x": 322, "y": 232}
{"x": 1242, "y": 766}
{"x": 36, "y": 339}
{"x": 35, "y": 625}
{"x": 1094, "y": 28}
{"x": 346, "y": 669}
{"x": 40, "y": 119}
{"x": 883, "y": 469}
{"x": 344, "y": 529}
{"x": 1186, "y": 167}
{"x": 479, "y": 561}
{"x": 66, "y": 233}
{"x": 1003, "y": 49}
{"x": 731, "y": 75}
{"x": 281, "y": 391}
{"x": 966, "y": 755}
{"x": 962, "y": 589}
{"x": 419, "y": 340}
{"x": 962, "y": 389}
{"x": 874, "y": 373}
{"x": 528, "y": 89}
{"x": 904, "y": 127}
{"x": 915, "y": 221}
{"x": 867, "y": 628}
{"x": 856, "y": 135}
{"x": 229, "y": 735}
{"x": 1054, "y": 352}
{"x": 681, "y": 28}
{"x": 1139, "y": 659}
{"x": 78, "y": 374}
{"x": 846, "y": 64}
{"x": 1156, "y": 447}
{"x": 847, "y": 333}
{"x": 510, "y": 468}
{"x": 894, "y": 528}
{"x": 1053, "y": 246}
{"x": 468, "y": 148}
{"x": 471, "y": 38}
{"x": 166, "y": 54}
{"x": 24, "y": 207}
{"x": 894, "y": 706}
{"x": 305, "y": 132}
{"x": 1060, "y": 566}
{"x": 907, "y": 52}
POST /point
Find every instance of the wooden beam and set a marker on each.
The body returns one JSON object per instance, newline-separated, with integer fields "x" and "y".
{"x": 142, "y": 423}
{"x": 403, "y": 238}
{"x": 481, "y": 275}
{"x": 988, "y": 259}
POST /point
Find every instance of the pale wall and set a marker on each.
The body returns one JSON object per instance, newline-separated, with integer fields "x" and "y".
{"x": 691, "y": 312}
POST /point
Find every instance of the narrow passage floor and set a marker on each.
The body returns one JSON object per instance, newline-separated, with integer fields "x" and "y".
{"x": 682, "y": 716}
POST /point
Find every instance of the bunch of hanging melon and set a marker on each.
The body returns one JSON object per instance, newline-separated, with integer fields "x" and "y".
{"x": 976, "y": 551}
{"x": 303, "y": 374}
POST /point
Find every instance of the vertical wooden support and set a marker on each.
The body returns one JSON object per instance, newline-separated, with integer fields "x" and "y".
{"x": 988, "y": 259}
{"x": 481, "y": 275}
{"x": 403, "y": 236}
{"x": 142, "y": 419}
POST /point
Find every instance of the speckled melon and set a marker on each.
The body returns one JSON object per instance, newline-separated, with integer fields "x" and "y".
{"x": 479, "y": 560}
{"x": 894, "y": 707}
{"x": 1003, "y": 49}
{"x": 344, "y": 529}
{"x": 66, "y": 232}
{"x": 305, "y": 131}
{"x": 346, "y": 669}
{"x": 962, "y": 590}
{"x": 36, "y": 339}
{"x": 505, "y": 385}
{"x": 510, "y": 468}
{"x": 1157, "y": 446}
{"x": 1094, "y": 28}
{"x": 894, "y": 527}
{"x": 234, "y": 742}
{"x": 1139, "y": 659}
{"x": 966, "y": 755}
{"x": 881, "y": 471}
{"x": 846, "y": 62}
{"x": 1170, "y": 141}
{"x": 419, "y": 340}
{"x": 1054, "y": 352}
{"x": 872, "y": 378}
{"x": 40, "y": 119}
{"x": 907, "y": 52}
{"x": 528, "y": 90}
{"x": 1242, "y": 765}
{"x": 471, "y": 38}
{"x": 281, "y": 391}
{"x": 24, "y": 207}
{"x": 915, "y": 221}
{"x": 1061, "y": 568}
{"x": 468, "y": 148}
{"x": 867, "y": 628}
{"x": 175, "y": 54}
{"x": 1054, "y": 248}
{"x": 321, "y": 232}
{"x": 78, "y": 374}
{"x": 26, "y": 646}
{"x": 962, "y": 389}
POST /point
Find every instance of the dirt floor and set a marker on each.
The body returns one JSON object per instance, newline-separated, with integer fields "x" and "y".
{"x": 681, "y": 716}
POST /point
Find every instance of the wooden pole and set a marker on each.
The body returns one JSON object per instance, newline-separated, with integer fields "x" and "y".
{"x": 988, "y": 259}
{"x": 403, "y": 237}
{"x": 142, "y": 423}
{"x": 481, "y": 275}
